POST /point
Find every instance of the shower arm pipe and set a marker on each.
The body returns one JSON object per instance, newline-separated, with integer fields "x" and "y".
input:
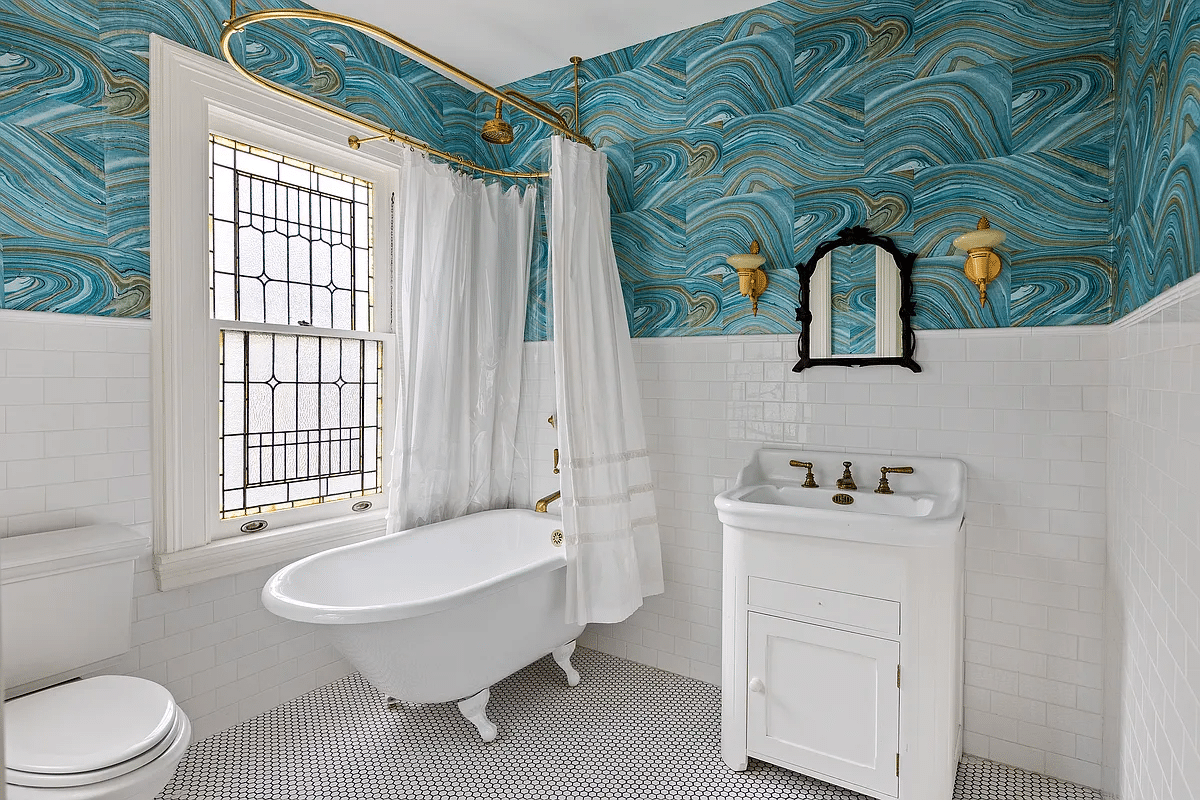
{"x": 237, "y": 23}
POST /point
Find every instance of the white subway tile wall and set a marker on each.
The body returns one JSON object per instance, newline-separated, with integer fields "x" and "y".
{"x": 1025, "y": 409}
{"x": 74, "y": 451}
{"x": 1152, "y": 749}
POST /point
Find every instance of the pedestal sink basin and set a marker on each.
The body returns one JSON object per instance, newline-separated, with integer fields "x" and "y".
{"x": 893, "y": 505}
{"x": 924, "y": 508}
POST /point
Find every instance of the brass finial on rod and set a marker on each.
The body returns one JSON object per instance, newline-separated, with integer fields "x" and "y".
{"x": 356, "y": 142}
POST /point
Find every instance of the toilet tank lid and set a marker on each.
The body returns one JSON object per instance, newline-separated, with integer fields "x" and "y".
{"x": 33, "y": 554}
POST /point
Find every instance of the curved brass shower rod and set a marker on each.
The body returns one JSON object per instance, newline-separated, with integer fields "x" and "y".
{"x": 237, "y": 23}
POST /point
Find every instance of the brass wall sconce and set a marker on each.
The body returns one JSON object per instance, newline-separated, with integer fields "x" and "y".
{"x": 752, "y": 278}
{"x": 982, "y": 264}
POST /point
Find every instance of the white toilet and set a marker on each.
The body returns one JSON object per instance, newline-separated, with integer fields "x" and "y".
{"x": 65, "y": 598}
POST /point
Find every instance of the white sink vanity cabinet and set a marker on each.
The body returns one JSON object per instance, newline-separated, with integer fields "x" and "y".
{"x": 842, "y": 622}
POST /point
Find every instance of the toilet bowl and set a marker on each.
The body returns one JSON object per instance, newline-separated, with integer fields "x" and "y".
{"x": 65, "y": 605}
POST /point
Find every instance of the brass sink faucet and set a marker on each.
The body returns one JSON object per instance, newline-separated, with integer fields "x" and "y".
{"x": 847, "y": 480}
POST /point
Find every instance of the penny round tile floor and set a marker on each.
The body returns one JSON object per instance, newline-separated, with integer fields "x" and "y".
{"x": 627, "y": 731}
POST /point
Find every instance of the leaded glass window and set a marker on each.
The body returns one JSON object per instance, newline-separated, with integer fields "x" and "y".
{"x": 291, "y": 241}
{"x": 300, "y": 417}
{"x": 300, "y": 410}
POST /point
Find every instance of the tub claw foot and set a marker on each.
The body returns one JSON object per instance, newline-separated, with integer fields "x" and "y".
{"x": 392, "y": 703}
{"x": 475, "y": 710}
{"x": 562, "y": 657}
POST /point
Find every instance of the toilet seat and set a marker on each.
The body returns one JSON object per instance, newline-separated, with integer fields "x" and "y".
{"x": 65, "y": 779}
{"x": 89, "y": 731}
{"x": 141, "y": 784}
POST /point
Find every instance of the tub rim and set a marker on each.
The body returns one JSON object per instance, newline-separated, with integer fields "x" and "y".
{"x": 278, "y": 602}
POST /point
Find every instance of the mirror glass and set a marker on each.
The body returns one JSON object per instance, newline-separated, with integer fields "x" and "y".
{"x": 855, "y": 303}
{"x": 852, "y": 300}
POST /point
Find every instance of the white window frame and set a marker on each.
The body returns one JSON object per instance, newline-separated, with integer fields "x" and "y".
{"x": 191, "y": 95}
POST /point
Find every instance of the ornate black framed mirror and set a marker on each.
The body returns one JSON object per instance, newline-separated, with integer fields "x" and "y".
{"x": 856, "y": 303}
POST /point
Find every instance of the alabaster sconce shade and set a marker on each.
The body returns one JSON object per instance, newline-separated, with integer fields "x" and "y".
{"x": 982, "y": 264}
{"x": 752, "y": 278}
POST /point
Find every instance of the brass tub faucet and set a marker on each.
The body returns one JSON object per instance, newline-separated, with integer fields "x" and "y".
{"x": 883, "y": 487}
{"x": 544, "y": 504}
{"x": 847, "y": 480}
{"x": 809, "y": 481}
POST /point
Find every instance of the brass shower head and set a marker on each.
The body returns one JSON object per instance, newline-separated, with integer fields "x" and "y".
{"x": 496, "y": 130}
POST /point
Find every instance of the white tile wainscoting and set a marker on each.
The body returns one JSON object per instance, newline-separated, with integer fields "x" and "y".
{"x": 1024, "y": 408}
{"x": 1027, "y": 409}
{"x": 75, "y": 450}
{"x": 1153, "y": 602}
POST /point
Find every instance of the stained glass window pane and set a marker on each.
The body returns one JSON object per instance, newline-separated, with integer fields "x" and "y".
{"x": 299, "y": 420}
{"x": 290, "y": 242}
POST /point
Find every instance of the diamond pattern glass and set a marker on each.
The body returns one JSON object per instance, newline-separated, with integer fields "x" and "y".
{"x": 290, "y": 241}
{"x": 300, "y": 418}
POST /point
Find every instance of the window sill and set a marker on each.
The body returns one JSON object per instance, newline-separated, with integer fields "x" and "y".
{"x": 231, "y": 556}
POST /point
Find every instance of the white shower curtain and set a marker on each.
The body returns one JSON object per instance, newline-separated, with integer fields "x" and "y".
{"x": 609, "y": 514}
{"x": 460, "y": 295}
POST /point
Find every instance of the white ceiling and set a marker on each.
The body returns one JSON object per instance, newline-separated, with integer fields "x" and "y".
{"x": 502, "y": 41}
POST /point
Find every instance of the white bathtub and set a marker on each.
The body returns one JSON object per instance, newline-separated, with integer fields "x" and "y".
{"x": 440, "y": 612}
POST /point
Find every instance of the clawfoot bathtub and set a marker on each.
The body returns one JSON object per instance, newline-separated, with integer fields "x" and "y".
{"x": 441, "y": 612}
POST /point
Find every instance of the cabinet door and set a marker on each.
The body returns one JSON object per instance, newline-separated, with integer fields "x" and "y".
{"x": 824, "y": 700}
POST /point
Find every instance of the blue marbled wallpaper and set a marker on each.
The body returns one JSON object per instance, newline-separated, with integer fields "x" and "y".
{"x": 1156, "y": 204}
{"x": 782, "y": 124}
{"x": 74, "y": 135}
{"x": 791, "y": 121}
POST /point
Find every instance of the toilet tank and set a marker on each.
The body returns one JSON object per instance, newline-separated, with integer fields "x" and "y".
{"x": 65, "y": 599}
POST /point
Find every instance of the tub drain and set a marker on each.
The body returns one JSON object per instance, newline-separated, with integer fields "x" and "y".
{"x": 556, "y": 538}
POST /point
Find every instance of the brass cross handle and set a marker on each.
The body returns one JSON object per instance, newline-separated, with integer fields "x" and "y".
{"x": 883, "y": 487}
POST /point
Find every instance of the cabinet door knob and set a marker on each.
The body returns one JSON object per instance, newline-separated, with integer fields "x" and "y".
{"x": 756, "y": 685}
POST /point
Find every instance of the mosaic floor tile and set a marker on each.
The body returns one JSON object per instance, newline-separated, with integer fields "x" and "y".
{"x": 627, "y": 731}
